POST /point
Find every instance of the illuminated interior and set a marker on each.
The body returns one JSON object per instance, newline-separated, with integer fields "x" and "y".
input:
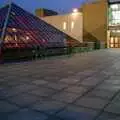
{"x": 24, "y": 31}
{"x": 114, "y": 25}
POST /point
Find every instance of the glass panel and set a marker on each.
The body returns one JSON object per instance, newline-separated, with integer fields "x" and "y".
{"x": 114, "y": 7}
{"x": 64, "y": 25}
{"x": 111, "y": 40}
{"x": 111, "y": 45}
{"x": 114, "y": 14}
{"x": 72, "y": 25}
{"x": 116, "y": 45}
{"x": 116, "y": 40}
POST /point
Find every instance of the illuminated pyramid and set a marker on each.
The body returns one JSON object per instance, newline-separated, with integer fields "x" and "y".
{"x": 20, "y": 29}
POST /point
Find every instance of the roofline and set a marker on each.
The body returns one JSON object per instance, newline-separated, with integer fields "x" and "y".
{"x": 116, "y": 2}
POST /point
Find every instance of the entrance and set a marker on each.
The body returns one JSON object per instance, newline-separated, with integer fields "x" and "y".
{"x": 114, "y": 42}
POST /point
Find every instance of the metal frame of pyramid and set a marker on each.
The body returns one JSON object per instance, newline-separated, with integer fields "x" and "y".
{"x": 20, "y": 30}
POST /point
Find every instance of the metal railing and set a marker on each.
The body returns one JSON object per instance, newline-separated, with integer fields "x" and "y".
{"x": 42, "y": 52}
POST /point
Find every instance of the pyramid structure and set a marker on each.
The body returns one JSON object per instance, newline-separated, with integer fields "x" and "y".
{"x": 21, "y": 29}
{"x": 23, "y": 34}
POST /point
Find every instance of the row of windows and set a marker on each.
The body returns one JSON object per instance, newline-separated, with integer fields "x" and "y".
{"x": 114, "y": 14}
{"x": 114, "y": 22}
{"x": 115, "y": 7}
{"x": 65, "y": 25}
{"x": 114, "y": 40}
{"x": 115, "y": 31}
{"x": 114, "y": 45}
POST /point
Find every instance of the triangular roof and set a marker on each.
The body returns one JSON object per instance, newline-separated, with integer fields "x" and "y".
{"x": 19, "y": 28}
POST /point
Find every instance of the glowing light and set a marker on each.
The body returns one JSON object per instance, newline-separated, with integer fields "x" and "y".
{"x": 116, "y": 40}
{"x": 111, "y": 45}
{"x": 27, "y": 38}
{"x": 72, "y": 25}
{"x": 64, "y": 25}
{"x": 111, "y": 40}
{"x": 75, "y": 10}
{"x": 13, "y": 29}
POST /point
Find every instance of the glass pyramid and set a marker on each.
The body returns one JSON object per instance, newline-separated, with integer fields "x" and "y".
{"x": 20, "y": 29}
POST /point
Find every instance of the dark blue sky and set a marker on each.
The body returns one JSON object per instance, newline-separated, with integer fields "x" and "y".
{"x": 58, "y": 5}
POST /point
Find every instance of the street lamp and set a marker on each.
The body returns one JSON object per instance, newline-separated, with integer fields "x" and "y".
{"x": 75, "y": 10}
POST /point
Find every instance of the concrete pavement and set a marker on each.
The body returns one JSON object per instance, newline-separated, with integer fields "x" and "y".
{"x": 82, "y": 87}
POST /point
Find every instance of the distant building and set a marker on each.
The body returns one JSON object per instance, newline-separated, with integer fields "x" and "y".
{"x": 95, "y": 20}
{"x": 71, "y": 23}
{"x": 101, "y": 22}
{"x": 41, "y": 12}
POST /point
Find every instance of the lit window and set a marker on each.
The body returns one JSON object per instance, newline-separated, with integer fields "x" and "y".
{"x": 64, "y": 25}
{"x": 72, "y": 25}
{"x": 111, "y": 45}
{"x": 116, "y": 45}
{"x": 118, "y": 30}
{"x": 113, "y": 31}
{"x": 114, "y": 7}
{"x": 14, "y": 30}
{"x": 27, "y": 38}
{"x": 116, "y": 40}
{"x": 75, "y": 10}
{"x": 111, "y": 40}
{"x": 16, "y": 44}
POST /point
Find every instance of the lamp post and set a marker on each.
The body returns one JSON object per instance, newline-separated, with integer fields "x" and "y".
{"x": 75, "y": 10}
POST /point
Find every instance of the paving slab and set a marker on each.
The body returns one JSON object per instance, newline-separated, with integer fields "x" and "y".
{"x": 48, "y": 106}
{"x": 66, "y": 96}
{"x": 43, "y": 91}
{"x": 108, "y": 116}
{"x": 6, "y": 107}
{"x": 91, "y": 102}
{"x": 27, "y": 114}
{"x": 113, "y": 107}
{"x": 103, "y": 94}
{"x": 79, "y": 87}
{"x": 23, "y": 99}
{"x": 57, "y": 85}
{"x": 77, "y": 113}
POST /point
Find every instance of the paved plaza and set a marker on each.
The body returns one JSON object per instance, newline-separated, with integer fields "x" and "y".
{"x": 79, "y": 87}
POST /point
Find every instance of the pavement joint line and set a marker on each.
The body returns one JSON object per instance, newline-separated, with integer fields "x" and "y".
{"x": 100, "y": 67}
{"x": 92, "y": 88}
{"x": 79, "y": 98}
{"x": 109, "y": 101}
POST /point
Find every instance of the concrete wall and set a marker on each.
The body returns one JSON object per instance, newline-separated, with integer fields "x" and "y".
{"x": 95, "y": 21}
{"x": 72, "y": 18}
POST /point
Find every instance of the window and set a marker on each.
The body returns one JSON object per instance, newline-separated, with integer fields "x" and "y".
{"x": 111, "y": 45}
{"x": 72, "y": 25}
{"x": 111, "y": 40}
{"x": 114, "y": 7}
{"x": 116, "y": 40}
{"x": 118, "y": 31}
{"x": 64, "y": 25}
{"x": 114, "y": 14}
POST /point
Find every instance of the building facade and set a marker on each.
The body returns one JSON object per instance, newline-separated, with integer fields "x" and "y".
{"x": 114, "y": 24}
{"x": 95, "y": 21}
{"x": 23, "y": 35}
{"x": 101, "y": 22}
{"x": 98, "y": 20}
{"x": 71, "y": 24}
{"x": 44, "y": 12}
